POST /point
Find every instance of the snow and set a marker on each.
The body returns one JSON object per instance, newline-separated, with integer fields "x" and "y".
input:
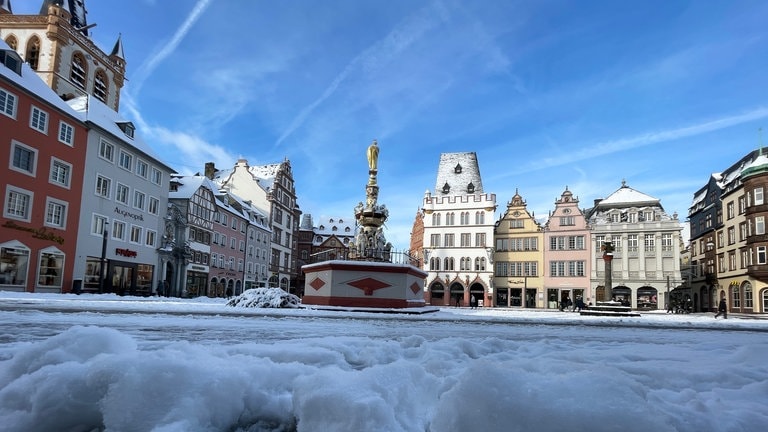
{"x": 103, "y": 362}
{"x": 265, "y": 298}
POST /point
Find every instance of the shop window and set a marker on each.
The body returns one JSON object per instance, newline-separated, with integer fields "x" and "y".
{"x": 14, "y": 259}
{"x": 51, "y": 268}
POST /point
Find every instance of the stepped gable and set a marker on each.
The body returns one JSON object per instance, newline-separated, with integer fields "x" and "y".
{"x": 458, "y": 174}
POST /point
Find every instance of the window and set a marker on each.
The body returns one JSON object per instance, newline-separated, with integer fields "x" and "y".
{"x": 480, "y": 218}
{"x": 157, "y": 176}
{"x": 14, "y": 259}
{"x": 60, "y": 173}
{"x": 78, "y": 73}
{"x": 761, "y": 257}
{"x": 139, "y": 200}
{"x": 18, "y": 203}
{"x": 121, "y": 193}
{"x": 106, "y": 150}
{"x": 729, "y": 210}
{"x": 434, "y": 240}
{"x": 50, "y": 270}
{"x": 466, "y": 240}
{"x": 100, "y": 85}
{"x": 567, "y": 221}
{"x": 480, "y": 239}
{"x": 232, "y": 243}
{"x": 23, "y": 158}
{"x": 151, "y": 238}
{"x": 39, "y": 120}
{"x": 142, "y": 168}
{"x": 56, "y": 213}
{"x": 103, "y": 186}
{"x": 126, "y": 160}
{"x": 631, "y": 243}
{"x": 517, "y": 223}
{"x": 66, "y": 133}
{"x": 436, "y": 219}
{"x": 759, "y": 225}
{"x": 758, "y": 193}
{"x": 449, "y": 240}
{"x": 33, "y": 52}
{"x": 154, "y": 205}
{"x": 650, "y": 243}
{"x": 748, "y": 301}
{"x": 118, "y": 230}
{"x": 666, "y": 242}
{"x": 98, "y": 225}
{"x": 8, "y": 103}
{"x": 136, "y": 236}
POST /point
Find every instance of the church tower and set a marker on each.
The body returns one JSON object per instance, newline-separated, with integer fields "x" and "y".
{"x": 57, "y": 44}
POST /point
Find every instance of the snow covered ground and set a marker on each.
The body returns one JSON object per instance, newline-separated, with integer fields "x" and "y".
{"x": 90, "y": 362}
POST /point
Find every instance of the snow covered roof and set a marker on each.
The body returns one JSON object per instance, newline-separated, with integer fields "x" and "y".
{"x": 99, "y": 114}
{"x": 625, "y": 196}
{"x": 759, "y": 165}
{"x": 30, "y": 81}
{"x": 458, "y": 174}
{"x": 188, "y": 185}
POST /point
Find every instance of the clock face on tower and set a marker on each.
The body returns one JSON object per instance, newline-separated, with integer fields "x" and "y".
{"x": 516, "y": 213}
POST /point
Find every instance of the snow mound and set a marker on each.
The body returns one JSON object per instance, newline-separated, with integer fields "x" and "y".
{"x": 265, "y": 298}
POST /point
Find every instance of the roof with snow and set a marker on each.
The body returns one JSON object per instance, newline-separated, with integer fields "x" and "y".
{"x": 188, "y": 185}
{"x": 96, "y": 112}
{"x": 625, "y": 196}
{"x": 458, "y": 174}
{"x": 30, "y": 81}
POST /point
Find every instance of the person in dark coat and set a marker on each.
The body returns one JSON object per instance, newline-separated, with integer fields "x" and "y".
{"x": 722, "y": 309}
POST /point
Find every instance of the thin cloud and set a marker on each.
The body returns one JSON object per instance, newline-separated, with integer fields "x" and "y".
{"x": 152, "y": 62}
{"x": 620, "y": 145}
{"x": 399, "y": 39}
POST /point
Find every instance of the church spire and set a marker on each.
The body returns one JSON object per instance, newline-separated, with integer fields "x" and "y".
{"x": 5, "y": 7}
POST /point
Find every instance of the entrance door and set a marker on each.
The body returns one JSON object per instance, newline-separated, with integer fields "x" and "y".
{"x": 122, "y": 280}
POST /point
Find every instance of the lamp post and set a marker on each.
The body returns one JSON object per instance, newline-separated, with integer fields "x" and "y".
{"x": 103, "y": 262}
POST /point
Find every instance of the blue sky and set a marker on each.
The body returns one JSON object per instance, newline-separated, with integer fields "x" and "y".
{"x": 549, "y": 94}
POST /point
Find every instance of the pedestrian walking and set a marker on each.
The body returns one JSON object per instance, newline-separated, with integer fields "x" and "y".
{"x": 722, "y": 309}
{"x": 473, "y": 302}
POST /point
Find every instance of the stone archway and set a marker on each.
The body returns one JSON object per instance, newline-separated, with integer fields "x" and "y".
{"x": 457, "y": 294}
{"x": 478, "y": 291}
{"x": 436, "y": 294}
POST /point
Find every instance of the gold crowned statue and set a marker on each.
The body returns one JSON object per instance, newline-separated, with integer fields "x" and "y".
{"x": 373, "y": 156}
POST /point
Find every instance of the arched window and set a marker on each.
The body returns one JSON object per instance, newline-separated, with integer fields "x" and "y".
{"x": 450, "y": 218}
{"x": 436, "y": 219}
{"x": 12, "y": 42}
{"x": 33, "y": 52}
{"x": 480, "y": 218}
{"x": 434, "y": 264}
{"x": 100, "y": 85}
{"x": 464, "y": 218}
{"x": 449, "y": 263}
{"x": 748, "y": 303}
{"x": 79, "y": 70}
{"x": 477, "y": 264}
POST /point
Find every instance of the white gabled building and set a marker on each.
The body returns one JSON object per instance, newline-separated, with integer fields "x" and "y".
{"x": 646, "y": 241}
{"x": 458, "y": 219}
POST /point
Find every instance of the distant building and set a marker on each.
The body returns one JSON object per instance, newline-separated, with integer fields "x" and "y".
{"x": 567, "y": 253}
{"x": 519, "y": 258}
{"x": 56, "y": 43}
{"x": 271, "y": 189}
{"x": 729, "y": 245}
{"x": 458, "y": 234}
{"x": 646, "y": 241}
{"x": 43, "y": 142}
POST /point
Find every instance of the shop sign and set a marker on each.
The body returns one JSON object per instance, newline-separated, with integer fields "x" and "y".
{"x": 41, "y": 233}
{"x": 126, "y": 253}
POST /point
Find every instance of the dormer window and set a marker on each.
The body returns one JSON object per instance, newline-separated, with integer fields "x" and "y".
{"x": 470, "y": 188}
{"x": 457, "y": 169}
{"x": 11, "y": 60}
{"x": 446, "y": 188}
{"x": 127, "y": 128}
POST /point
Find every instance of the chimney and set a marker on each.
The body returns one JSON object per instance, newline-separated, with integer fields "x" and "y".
{"x": 210, "y": 170}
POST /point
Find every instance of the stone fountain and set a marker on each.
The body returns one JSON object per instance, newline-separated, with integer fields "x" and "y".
{"x": 369, "y": 278}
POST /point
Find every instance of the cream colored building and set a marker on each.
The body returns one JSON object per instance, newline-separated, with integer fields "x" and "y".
{"x": 519, "y": 258}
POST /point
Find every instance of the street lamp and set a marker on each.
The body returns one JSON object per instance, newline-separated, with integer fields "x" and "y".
{"x": 103, "y": 262}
